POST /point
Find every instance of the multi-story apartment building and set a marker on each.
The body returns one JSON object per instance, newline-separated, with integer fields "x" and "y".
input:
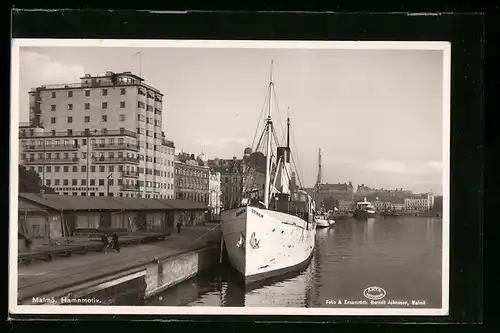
{"x": 101, "y": 136}
{"x": 239, "y": 176}
{"x": 192, "y": 178}
{"x": 215, "y": 194}
{"x": 421, "y": 202}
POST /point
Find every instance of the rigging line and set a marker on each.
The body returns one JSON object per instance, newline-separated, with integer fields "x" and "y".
{"x": 299, "y": 175}
{"x": 279, "y": 114}
{"x": 262, "y": 110}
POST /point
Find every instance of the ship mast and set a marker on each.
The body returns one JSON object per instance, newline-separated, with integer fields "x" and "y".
{"x": 319, "y": 179}
{"x": 268, "y": 153}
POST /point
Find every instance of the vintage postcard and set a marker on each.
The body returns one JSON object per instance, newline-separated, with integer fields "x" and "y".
{"x": 229, "y": 177}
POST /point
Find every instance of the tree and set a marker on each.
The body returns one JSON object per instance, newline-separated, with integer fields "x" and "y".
{"x": 330, "y": 203}
{"x": 30, "y": 182}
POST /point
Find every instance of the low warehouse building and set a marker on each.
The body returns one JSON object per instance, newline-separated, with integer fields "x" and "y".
{"x": 65, "y": 215}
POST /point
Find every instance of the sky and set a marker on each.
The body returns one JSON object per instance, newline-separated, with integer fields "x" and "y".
{"x": 376, "y": 114}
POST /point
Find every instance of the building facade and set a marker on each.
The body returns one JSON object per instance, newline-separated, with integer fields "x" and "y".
{"x": 239, "y": 175}
{"x": 191, "y": 178}
{"x": 421, "y": 203}
{"x": 327, "y": 193}
{"x": 215, "y": 195}
{"x": 99, "y": 137}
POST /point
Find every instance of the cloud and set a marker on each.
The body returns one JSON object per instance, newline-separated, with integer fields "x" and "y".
{"x": 38, "y": 69}
{"x": 406, "y": 168}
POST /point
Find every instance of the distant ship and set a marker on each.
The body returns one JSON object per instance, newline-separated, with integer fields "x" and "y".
{"x": 264, "y": 239}
{"x": 364, "y": 210}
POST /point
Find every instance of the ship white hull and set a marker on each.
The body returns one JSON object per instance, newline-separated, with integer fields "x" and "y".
{"x": 263, "y": 243}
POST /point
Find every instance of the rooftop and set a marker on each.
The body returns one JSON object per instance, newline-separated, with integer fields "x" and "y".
{"x": 88, "y": 203}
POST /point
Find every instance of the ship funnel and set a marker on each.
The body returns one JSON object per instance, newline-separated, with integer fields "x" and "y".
{"x": 365, "y": 199}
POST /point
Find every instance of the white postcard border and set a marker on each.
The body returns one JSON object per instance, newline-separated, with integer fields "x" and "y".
{"x": 15, "y": 308}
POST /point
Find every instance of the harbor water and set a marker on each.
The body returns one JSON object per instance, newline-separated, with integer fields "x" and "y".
{"x": 401, "y": 255}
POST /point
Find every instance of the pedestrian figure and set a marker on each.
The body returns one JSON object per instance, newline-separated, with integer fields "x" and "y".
{"x": 116, "y": 242}
{"x": 178, "y": 227}
{"x": 105, "y": 241}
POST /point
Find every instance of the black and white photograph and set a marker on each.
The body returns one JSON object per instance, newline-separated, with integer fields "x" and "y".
{"x": 229, "y": 177}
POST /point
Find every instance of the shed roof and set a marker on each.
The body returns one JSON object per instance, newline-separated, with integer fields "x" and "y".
{"x": 70, "y": 202}
{"x": 26, "y": 205}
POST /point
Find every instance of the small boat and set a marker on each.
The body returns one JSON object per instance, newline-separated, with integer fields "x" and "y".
{"x": 364, "y": 210}
{"x": 322, "y": 221}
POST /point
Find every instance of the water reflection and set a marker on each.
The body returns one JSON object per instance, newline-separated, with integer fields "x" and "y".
{"x": 400, "y": 254}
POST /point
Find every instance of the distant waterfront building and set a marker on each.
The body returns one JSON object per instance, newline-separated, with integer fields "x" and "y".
{"x": 346, "y": 205}
{"x": 421, "y": 202}
{"x": 191, "y": 179}
{"x": 239, "y": 176}
{"x": 99, "y": 137}
{"x": 325, "y": 193}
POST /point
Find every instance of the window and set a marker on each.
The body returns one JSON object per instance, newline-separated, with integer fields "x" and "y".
{"x": 65, "y": 168}
{"x": 48, "y": 168}
{"x": 57, "y": 182}
{"x": 70, "y": 107}
{"x": 111, "y": 168}
{"x": 83, "y": 182}
{"x": 53, "y": 120}
{"x": 104, "y": 118}
{"x": 111, "y": 182}
{"x": 104, "y": 105}
{"x": 101, "y": 168}
{"x": 53, "y": 94}
{"x": 40, "y": 169}
{"x": 84, "y": 168}
{"x": 92, "y": 194}
{"x": 47, "y": 182}
{"x": 101, "y": 182}
{"x": 52, "y": 107}
{"x": 101, "y": 194}
{"x": 87, "y": 93}
{"x": 65, "y": 181}
{"x": 92, "y": 168}
{"x": 70, "y": 94}
{"x": 122, "y": 91}
{"x": 57, "y": 168}
{"x": 122, "y": 104}
{"x": 92, "y": 182}
{"x": 87, "y": 119}
{"x": 105, "y": 92}
{"x": 122, "y": 117}
{"x": 84, "y": 155}
{"x": 87, "y": 106}
{"x": 70, "y": 120}
{"x": 84, "y": 141}
{"x": 74, "y": 182}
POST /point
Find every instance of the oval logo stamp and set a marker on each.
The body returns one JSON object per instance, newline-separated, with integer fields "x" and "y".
{"x": 374, "y": 293}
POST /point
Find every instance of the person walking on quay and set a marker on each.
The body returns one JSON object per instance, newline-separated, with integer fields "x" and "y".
{"x": 178, "y": 227}
{"x": 115, "y": 242}
{"x": 105, "y": 241}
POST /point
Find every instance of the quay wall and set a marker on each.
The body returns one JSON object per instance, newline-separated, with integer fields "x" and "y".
{"x": 134, "y": 286}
